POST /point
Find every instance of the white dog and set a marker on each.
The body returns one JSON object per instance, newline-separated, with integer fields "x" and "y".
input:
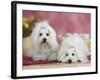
{"x": 73, "y": 49}
{"x": 44, "y": 43}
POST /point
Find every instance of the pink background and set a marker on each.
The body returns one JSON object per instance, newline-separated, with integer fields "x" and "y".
{"x": 64, "y": 22}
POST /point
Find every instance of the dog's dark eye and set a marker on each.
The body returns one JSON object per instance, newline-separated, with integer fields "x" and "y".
{"x": 40, "y": 34}
{"x": 66, "y": 54}
{"x": 73, "y": 54}
{"x": 47, "y": 34}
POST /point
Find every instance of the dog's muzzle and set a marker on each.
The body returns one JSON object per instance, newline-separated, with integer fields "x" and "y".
{"x": 69, "y": 61}
{"x": 44, "y": 40}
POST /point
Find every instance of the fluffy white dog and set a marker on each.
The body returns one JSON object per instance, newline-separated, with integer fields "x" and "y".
{"x": 44, "y": 43}
{"x": 73, "y": 49}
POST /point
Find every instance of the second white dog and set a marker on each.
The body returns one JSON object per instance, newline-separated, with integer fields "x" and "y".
{"x": 73, "y": 49}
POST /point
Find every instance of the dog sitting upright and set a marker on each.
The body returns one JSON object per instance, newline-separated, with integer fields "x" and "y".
{"x": 44, "y": 43}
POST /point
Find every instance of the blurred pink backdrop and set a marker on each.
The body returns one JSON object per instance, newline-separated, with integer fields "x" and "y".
{"x": 64, "y": 22}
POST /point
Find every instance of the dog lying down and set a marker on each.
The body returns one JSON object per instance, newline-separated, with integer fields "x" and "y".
{"x": 73, "y": 49}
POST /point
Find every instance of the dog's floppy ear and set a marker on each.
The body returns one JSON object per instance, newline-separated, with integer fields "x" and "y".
{"x": 34, "y": 35}
{"x": 53, "y": 36}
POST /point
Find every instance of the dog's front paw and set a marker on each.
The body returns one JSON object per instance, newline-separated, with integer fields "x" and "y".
{"x": 39, "y": 58}
{"x": 36, "y": 57}
{"x": 52, "y": 56}
{"x": 85, "y": 61}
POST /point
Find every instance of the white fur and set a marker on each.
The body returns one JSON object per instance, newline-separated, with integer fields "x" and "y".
{"x": 73, "y": 44}
{"x": 42, "y": 50}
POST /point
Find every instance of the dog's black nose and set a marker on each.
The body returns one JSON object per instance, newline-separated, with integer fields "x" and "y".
{"x": 44, "y": 39}
{"x": 69, "y": 61}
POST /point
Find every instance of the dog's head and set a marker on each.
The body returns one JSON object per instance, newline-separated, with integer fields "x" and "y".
{"x": 44, "y": 37}
{"x": 70, "y": 55}
{"x": 44, "y": 34}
